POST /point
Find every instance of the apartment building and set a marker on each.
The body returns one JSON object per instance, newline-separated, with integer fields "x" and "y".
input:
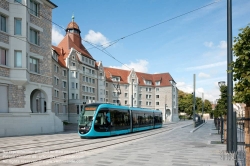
{"x": 154, "y": 91}
{"x": 84, "y": 76}
{"x": 25, "y": 68}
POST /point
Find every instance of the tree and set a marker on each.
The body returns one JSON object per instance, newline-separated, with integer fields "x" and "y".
{"x": 221, "y": 106}
{"x": 241, "y": 66}
{"x": 185, "y": 104}
{"x": 241, "y": 74}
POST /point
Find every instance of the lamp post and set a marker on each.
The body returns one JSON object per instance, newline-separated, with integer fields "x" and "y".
{"x": 132, "y": 96}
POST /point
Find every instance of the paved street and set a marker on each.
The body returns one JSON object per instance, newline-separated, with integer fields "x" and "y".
{"x": 178, "y": 146}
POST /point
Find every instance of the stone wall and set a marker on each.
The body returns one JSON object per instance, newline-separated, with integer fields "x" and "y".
{"x": 16, "y": 97}
{"x": 44, "y": 48}
{"x": 4, "y": 4}
{"x": 5, "y": 72}
{"x": 40, "y": 79}
{"x": 4, "y": 37}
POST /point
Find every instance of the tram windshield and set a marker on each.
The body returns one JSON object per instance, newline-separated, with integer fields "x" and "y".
{"x": 86, "y": 117}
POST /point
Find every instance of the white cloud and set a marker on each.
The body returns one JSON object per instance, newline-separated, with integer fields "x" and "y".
{"x": 211, "y": 94}
{"x": 207, "y": 66}
{"x": 203, "y": 75}
{"x": 209, "y": 44}
{"x": 57, "y": 35}
{"x": 184, "y": 87}
{"x": 223, "y": 45}
{"x": 96, "y": 38}
{"x": 139, "y": 66}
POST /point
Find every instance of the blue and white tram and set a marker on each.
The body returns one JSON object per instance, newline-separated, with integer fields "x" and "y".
{"x": 102, "y": 120}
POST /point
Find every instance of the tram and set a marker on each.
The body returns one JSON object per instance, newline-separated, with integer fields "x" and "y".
{"x": 103, "y": 120}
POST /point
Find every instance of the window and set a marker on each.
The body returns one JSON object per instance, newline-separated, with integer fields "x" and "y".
{"x": 126, "y": 87}
{"x": 76, "y": 75}
{"x": 139, "y": 102}
{"x": 157, "y": 89}
{"x": 93, "y": 72}
{"x": 18, "y": 26}
{"x": 126, "y": 94}
{"x": 3, "y": 23}
{"x": 140, "y": 96}
{"x": 56, "y": 93}
{"x": 83, "y": 69}
{"x": 126, "y": 102}
{"x": 140, "y": 88}
{"x": 157, "y": 82}
{"x": 34, "y": 36}
{"x": 83, "y": 78}
{"x": 33, "y": 65}
{"x": 3, "y": 56}
{"x": 107, "y": 93}
{"x": 157, "y": 103}
{"x": 18, "y": 59}
{"x": 76, "y": 96}
{"x": 64, "y": 84}
{"x": 34, "y": 8}
{"x": 106, "y": 84}
{"x": 56, "y": 80}
{"x": 83, "y": 88}
{"x": 93, "y": 90}
{"x": 54, "y": 55}
{"x": 87, "y": 79}
{"x": 64, "y": 73}
{"x": 157, "y": 96}
{"x": 134, "y": 94}
{"x": 73, "y": 96}
{"x": 73, "y": 85}
{"x": 93, "y": 81}
{"x": 73, "y": 64}
{"x": 76, "y": 85}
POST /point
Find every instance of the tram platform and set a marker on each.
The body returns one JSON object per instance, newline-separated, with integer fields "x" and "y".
{"x": 178, "y": 146}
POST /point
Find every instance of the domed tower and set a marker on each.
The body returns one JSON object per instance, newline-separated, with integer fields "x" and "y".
{"x": 73, "y": 32}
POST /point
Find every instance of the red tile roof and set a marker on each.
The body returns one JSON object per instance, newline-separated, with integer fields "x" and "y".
{"x": 123, "y": 74}
{"x": 164, "y": 78}
{"x": 73, "y": 25}
{"x": 61, "y": 60}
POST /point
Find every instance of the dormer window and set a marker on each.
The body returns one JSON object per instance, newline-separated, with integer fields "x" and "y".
{"x": 55, "y": 56}
{"x": 73, "y": 57}
{"x": 158, "y": 83}
{"x": 147, "y": 82}
{"x": 117, "y": 79}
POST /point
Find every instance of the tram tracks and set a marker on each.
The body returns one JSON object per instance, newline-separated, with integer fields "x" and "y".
{"x": 44, "y": 153}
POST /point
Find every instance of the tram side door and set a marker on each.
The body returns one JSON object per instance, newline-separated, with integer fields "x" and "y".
{"x": 131, "y": 120}
{"x": 112, "y": 124}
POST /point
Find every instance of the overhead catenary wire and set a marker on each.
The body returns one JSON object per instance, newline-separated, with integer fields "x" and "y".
{"x": 117, "y": 40}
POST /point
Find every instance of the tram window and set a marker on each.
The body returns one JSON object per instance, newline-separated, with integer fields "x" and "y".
{"x": 102, "y": 121}
{"x": 120, "y": 119}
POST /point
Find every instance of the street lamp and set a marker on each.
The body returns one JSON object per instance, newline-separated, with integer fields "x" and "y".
{"x": 221, "y": 83}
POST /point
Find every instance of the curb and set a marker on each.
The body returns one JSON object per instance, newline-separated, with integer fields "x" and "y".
{"x": 197, "y": 128}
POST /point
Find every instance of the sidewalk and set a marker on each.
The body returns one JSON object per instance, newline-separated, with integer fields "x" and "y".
{"x": 176, "y": 147}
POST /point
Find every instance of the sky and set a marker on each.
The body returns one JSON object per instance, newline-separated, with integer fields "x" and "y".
{"x": 181, "y": 37}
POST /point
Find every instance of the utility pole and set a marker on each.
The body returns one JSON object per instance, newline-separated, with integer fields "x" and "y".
{"x": 132, "y": 96}
{"x": 229, "y": 79}
{"x": 202, "y": 105}
{"x": 194, "y": 102}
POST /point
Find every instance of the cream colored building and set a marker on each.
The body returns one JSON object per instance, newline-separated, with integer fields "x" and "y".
{"x": 25, "y": 68}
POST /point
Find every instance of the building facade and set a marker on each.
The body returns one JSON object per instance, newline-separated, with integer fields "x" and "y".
{"x": 89, "y": 81}
{"x": 25, "y": 68}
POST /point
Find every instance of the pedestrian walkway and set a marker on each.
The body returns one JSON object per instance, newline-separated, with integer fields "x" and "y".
{"x": 176, "y": 147}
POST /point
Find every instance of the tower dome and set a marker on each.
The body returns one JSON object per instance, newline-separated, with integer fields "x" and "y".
{"x": 73, "y": 27}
